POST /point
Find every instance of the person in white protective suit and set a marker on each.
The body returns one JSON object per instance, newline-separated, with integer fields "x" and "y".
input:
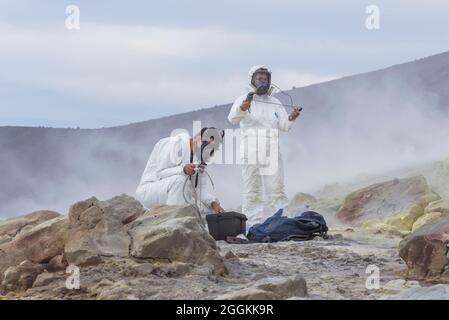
{"x": 174, "y": 174}
{"x": 261, "y": 117}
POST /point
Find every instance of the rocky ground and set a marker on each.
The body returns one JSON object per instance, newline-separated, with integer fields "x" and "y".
{"x": 334, "y": 268}
{"x": 396, "y": 231}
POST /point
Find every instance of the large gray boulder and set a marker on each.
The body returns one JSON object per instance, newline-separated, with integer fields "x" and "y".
{"x": 174, "y": 233}
{"x": 97, "y": 229}
{"x": 121, "y": 227}
{"x": 39, "y": 244}
{"x": 392, "y": 205}
{"x": 10, "y": 228}
{"x": 44, "y": 241}
{"x": 425, "y": 251}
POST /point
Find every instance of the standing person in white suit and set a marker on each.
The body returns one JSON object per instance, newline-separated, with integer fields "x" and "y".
{"x": 260, "y": 117}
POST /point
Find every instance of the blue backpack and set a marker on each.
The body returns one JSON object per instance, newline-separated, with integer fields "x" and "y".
{"x": 281, "y": 228}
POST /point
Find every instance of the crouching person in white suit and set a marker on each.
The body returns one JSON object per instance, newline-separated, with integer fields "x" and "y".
{"x": 174, "y": 174}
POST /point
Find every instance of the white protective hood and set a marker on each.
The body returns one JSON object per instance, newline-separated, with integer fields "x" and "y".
{"x": 250, "y": 87}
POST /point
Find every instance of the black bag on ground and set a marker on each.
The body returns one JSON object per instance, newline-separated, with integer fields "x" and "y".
{"x": 226, "y": 224}
{"x": 281, "y": 228}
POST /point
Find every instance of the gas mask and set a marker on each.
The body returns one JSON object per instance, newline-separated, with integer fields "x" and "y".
{"x": 211, "y": 139}
{"x": 261, "y": 87}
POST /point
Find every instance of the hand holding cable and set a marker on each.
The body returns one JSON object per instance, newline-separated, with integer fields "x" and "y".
{"x": 190, "y": 169}
{"x": 246, "y": 104}
{"x": 294, "y": 114}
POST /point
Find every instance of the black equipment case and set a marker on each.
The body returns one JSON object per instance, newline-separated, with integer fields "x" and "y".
{"x": 226, "y": 224}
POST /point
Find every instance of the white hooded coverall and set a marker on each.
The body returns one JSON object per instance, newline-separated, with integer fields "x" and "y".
{"x": 262, "y": 121}
{"x": 163, "y": 179}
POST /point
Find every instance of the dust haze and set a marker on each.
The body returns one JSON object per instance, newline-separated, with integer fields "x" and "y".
{"x": 350, "y": 128}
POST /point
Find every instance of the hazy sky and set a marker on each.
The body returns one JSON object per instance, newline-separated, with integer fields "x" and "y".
{"x": 136, "y": 60}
